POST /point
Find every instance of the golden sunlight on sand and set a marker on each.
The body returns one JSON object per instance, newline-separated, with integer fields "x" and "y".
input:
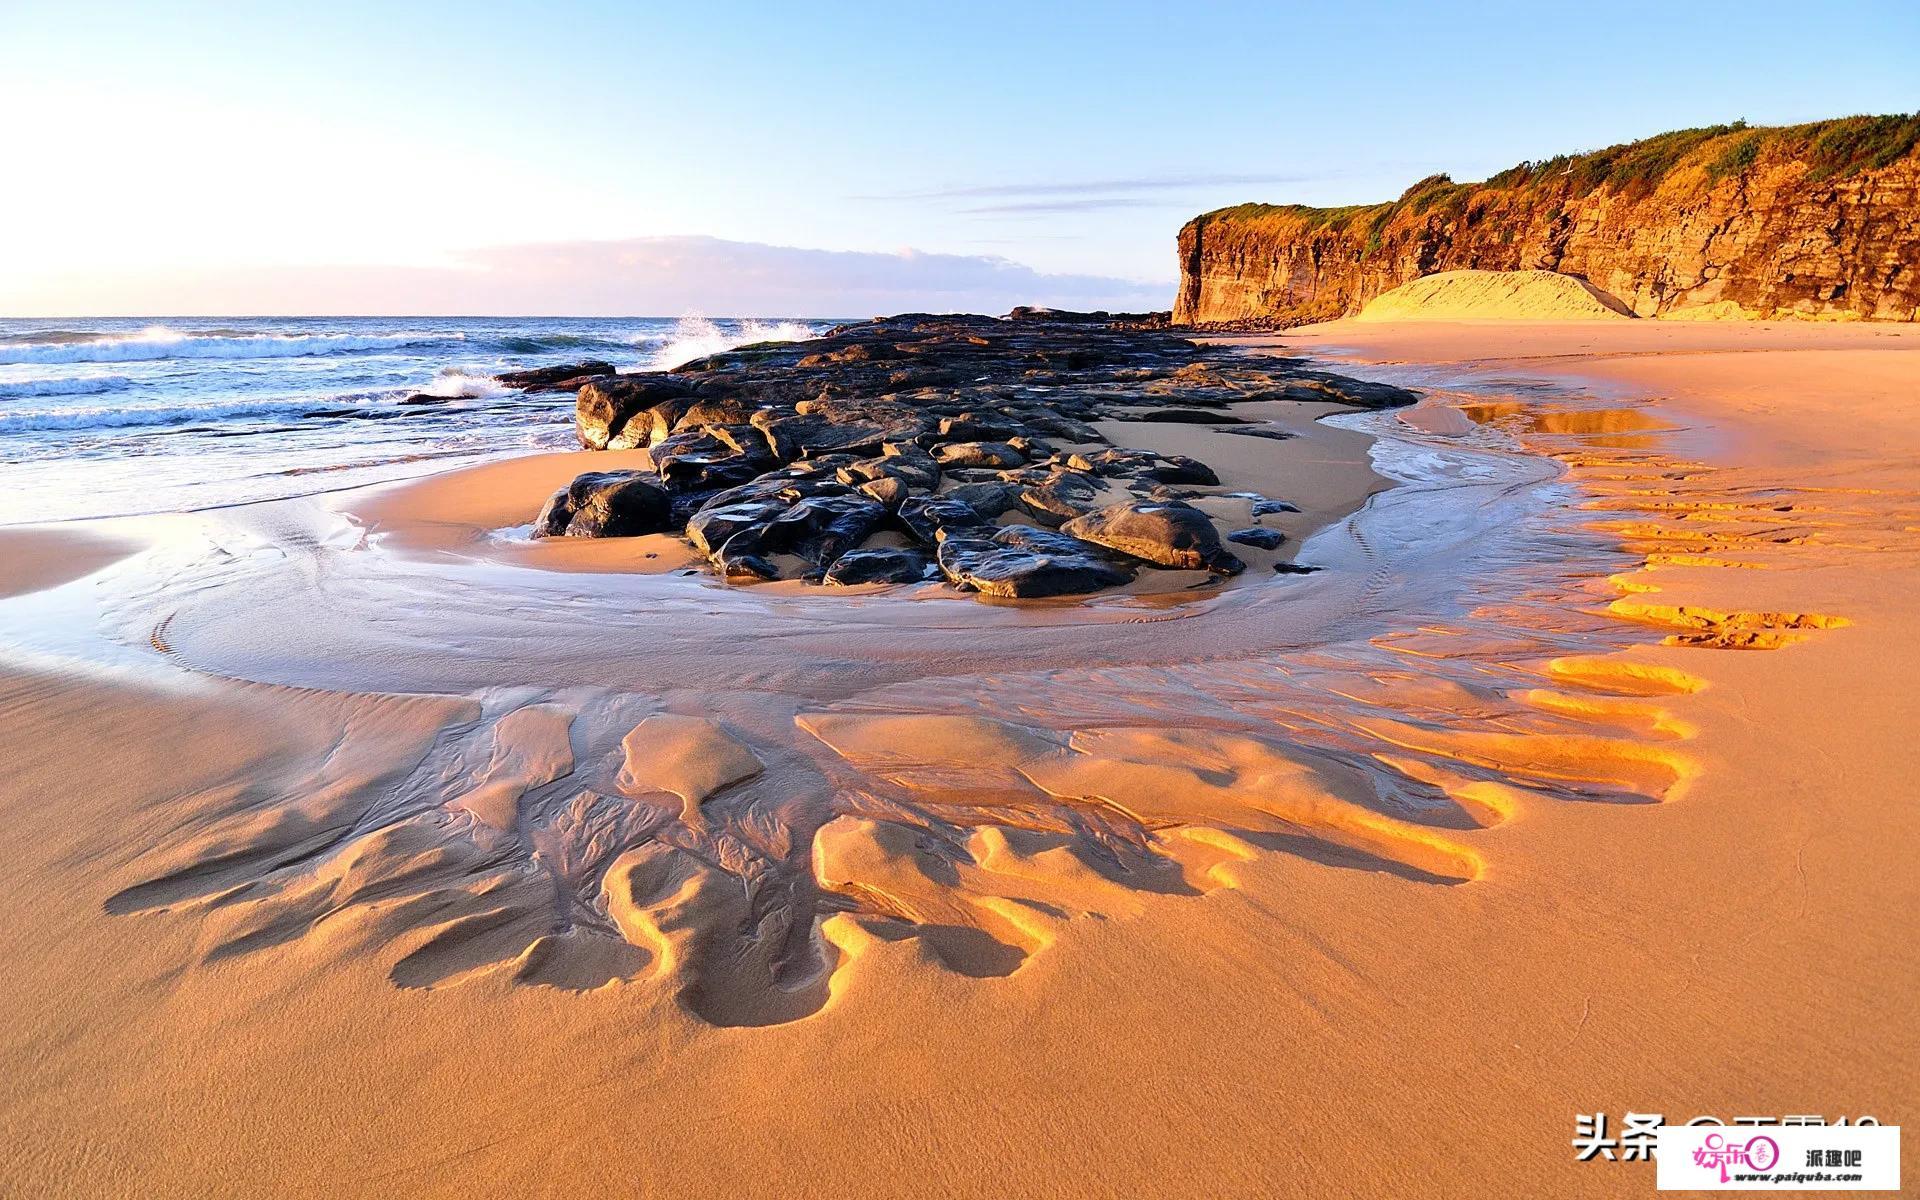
{"x": 421, "y": 859}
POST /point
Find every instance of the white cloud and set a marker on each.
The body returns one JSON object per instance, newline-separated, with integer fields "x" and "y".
{"x": 652, "y": 276}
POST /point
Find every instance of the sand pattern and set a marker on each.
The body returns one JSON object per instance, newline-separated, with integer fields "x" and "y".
{"x": 747, "y": 850}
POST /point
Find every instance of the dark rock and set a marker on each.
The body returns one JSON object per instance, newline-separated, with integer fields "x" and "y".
{"x": 1260, "y": 431}
{"x": 1265, "y": 507}
{"x": 796, "y": 435}
{"x": 605, "y": 407}
{"x": 1359, "y": 393}
{"x": 565, "y": 377}
{"x": 358, "y": 414}
{"x": 1260, "y": 536}
{"x": 716, "y": 523}
{"x": 1066, "y": 428}
{"x": 1187, "y": 416}
{"x": 887, "y": 490}
{"x": 425, "y": 398}
{"x": 743, "y": 529}
{"x": 1287, "y": 568}
{"x": 882, "y": 564}
{"x": 1060, "y": 497}
{"x": 821, "y": 528}
{"x": 977, "y": 427}
{"x": 786, "y": 451}
{"x": 699, "y": 461}
{"x": 1167, "y": 534}
{"x": 607, "y": 504}
{"x": 722, "y": 410}
{"x": 1178, "y": 468}
{"x": 989, "y": 499}
{"x": 978, "y": 454}
{"x": 1021, "y": 562}
{"x": 929, "y": 517}
{"x": 903, "y": 461}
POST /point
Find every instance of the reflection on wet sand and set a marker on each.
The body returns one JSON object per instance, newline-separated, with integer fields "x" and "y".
{"x": 603, "y": 776}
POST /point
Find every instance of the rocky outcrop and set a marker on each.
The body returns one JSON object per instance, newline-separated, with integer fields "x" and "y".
{"x": 1818, "y": 220}
{"x": 913, "y": 448}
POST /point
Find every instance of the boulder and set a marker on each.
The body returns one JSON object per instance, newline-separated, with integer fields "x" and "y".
{"x": 1021, "y": 562}
{"x": 744, "y": 528}
{"x": 698, "y": 461}
{"x": 887, "y": 490}
{"x": 1167, "y": 534}
{"x": 722, "y": 410}
{"x": 882, "y": 564}
{"x": 909, "y": 464}
{"x": 796, "y": 435}
{"x": 1258, "y": 535}
{"x": 1178, "y": 468}
{"x": 1060, "y": 496}
{"x": 565, "y": 377}
{"x": 1264, "y": 506}
{"x": 929, "y": 517}
{"x": 605, "y": 406}
{"x": 977, "y": 427}
{"x": 989, "y": 498}
{"x": 607, "y": 504}
{"x": 998, "y": 455}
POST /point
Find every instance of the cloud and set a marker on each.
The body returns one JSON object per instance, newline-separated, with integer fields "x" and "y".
{"x": 1091, "y": 187}
{"x": 1088, "y": 204}
{"x": 652, "y": 276}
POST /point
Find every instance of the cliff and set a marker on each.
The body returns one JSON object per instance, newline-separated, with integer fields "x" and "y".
{"x": 1819, "y": 220}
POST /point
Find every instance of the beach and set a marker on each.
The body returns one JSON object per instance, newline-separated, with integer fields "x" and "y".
{"x": 363, "y": 845}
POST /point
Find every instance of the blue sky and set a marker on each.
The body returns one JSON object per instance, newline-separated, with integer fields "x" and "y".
{"x": 188, "y": 155}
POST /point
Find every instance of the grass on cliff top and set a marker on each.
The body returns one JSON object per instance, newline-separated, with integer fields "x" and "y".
{"x": 1833, "y": 149}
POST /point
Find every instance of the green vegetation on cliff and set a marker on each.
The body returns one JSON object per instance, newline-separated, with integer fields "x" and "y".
{"x": 1835, "y": 149}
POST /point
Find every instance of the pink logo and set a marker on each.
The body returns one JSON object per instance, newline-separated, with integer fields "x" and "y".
{"x": 1758, "y": 1154}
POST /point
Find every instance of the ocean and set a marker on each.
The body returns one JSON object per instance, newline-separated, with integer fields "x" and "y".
{"x": 114, "y": 417}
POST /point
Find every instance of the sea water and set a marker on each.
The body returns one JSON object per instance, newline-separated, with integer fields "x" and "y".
{"x": 113, "y": 417}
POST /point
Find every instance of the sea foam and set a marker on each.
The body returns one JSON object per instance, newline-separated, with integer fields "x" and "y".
{"x": 82, "y": 385}
{"x": 159, "y": 342}
{"x": 697, "y": 337}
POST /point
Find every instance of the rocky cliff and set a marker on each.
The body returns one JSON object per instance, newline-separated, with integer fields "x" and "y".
{"x": 1819, "y": 220}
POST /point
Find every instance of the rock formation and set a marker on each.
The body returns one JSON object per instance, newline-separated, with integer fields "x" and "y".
{"x": 1819, "y": 220}
{"x": 910, "y": 448}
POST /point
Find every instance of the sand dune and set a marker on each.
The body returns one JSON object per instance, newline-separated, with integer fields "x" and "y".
{"x": 1494, "y": 296}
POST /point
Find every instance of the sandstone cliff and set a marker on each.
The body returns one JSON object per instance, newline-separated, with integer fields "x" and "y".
{"x": 1819, "y": 220}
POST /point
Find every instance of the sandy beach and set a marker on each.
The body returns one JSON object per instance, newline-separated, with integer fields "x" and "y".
{"x": 360, "y": 845}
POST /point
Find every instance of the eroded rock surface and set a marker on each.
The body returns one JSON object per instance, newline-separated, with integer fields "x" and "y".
{"x": 960, "y": 447}
{"x": 1170, "y": 534}
{"x": 1818, "y": 220}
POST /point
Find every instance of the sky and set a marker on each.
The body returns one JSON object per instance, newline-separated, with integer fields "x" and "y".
{"x": 599, "y": 158}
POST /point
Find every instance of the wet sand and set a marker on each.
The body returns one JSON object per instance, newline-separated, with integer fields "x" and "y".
{"x": 360, "y": 850}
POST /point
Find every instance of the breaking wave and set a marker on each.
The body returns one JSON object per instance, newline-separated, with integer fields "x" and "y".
{"x": 104, "y": 417}
{"x": 456, "y": 383}
{"x": 85, "y": 385}
{"x": 159, "y": 342}
{"x": 696, "y": 337}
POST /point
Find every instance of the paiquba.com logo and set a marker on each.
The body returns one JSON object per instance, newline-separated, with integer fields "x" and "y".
{"x": 1759, "y": 1153}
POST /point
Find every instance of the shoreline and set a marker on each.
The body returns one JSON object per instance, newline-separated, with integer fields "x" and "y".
{"x": 1417, "y": 854}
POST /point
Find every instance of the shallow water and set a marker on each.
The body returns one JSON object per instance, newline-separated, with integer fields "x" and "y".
{"x": 1446, "y": 658}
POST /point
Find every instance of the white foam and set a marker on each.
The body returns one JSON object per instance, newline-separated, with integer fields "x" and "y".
{"x": 101, "y": 416}
{"x": 696, "y": 337}
{"x": 455, "y": 383}
{"x": 83, "y": 385}
{"x": 159, "y": 342}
